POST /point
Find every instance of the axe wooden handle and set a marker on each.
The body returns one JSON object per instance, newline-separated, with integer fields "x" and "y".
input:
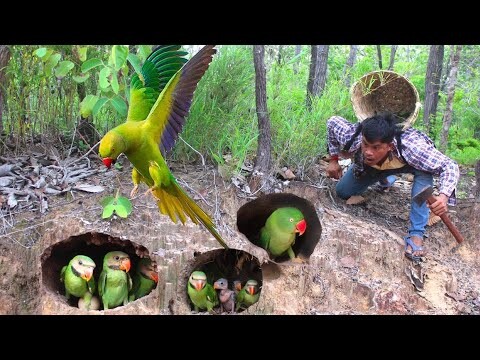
{"x": 446, "y": 220}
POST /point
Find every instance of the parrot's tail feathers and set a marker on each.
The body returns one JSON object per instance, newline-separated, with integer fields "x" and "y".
{"x": 180, "y": 206}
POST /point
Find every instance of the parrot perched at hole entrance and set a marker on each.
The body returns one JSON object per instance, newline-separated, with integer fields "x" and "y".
{"x": 225, "y": 295}
{"x": 144, "y": 279}
{"x": 201, "y": 293}
{"x": 160, "y": 99}
{"x": 278, "y": 234}
{"x": 115, "y": 282}
{"x": 248, "y": 295}
{"x": 78, "y": 279}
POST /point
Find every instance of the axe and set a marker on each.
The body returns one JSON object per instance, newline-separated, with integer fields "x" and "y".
{"x": 426, "y": 194}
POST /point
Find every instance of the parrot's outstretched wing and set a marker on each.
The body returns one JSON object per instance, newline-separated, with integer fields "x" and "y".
{"x": 168, "y": 114}
{"x": 158, "y": 69}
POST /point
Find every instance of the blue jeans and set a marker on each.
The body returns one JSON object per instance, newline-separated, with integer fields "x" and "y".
{"x": 349, "y": 186}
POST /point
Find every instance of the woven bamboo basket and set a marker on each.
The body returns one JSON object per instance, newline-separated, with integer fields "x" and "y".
{"x": 385, "y": 91}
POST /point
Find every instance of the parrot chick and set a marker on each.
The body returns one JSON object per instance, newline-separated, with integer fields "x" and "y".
{"x": 278, "y": 234}
{"x": 225, "y": 295}
{"x": 202, "y": 294}
{"x": 115, "y": 282}
{"x": 248, "y": 296}
{"x": 78, "y": 278}
{"x": 144, "y": 279}
{"x": 94, "y": 304}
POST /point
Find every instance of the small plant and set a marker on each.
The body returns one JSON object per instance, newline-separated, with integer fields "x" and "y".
{"x": 118, "y": 204}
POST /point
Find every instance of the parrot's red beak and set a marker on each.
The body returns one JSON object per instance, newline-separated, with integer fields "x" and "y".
{"x": 154, "y": 276}
{"x": 301, "y": 226}
{"x": 108, "y": 162}
{"x": 87, "y": 275}
{"x": 125, "y": 265}
{"x": 251, "y": 290}
{"x": 238, "y": 286}
{"x": 199, "y": 285}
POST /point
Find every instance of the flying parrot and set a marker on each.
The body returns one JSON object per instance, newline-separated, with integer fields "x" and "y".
{"x": 115, "y": 282}
{"x": 160, "y": 99}
{"x": 201, "y": 294}
{"x": 278, "y": 234}
{"x": 247, "y": 296}
{"x": 144, "y": 279}
{"x": 78, "y": 279}
{"x": 225, "y": 295}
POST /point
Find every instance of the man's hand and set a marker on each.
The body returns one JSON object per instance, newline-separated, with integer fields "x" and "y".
{"x": 334, "y": 170}
{"x": 440, "y": 206}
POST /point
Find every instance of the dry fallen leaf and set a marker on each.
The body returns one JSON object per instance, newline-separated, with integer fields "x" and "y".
{"x": 355, "y": 200}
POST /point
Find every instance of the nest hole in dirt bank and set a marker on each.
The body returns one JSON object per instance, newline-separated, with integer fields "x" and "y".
{"x": 251, "y": 217}
{"x": 230, "y": 264}
{"x": 93, "y": 245}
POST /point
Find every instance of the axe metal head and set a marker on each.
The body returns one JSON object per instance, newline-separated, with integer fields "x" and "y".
{"x": 423, "y": 195}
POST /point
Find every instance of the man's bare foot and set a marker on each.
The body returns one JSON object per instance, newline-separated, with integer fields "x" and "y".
{"x": 418, "y": 250}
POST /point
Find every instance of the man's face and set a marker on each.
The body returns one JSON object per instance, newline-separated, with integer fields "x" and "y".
{"x": 375, "y": 152}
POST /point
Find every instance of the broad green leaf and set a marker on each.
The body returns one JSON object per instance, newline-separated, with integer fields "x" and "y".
{"x": 108, "y": 200}
{"x": 99, "y": 105}
{"x": 119, "y": 54}
{"x": 63, "y": 68}
{"x": 120, "y": 105}
{"x": 82, "y": 53}
{"x": 90, "y": 64}
{"x": 136, "y": 63}
{"x": 40, "y": 52}
{"x": 121, "y": 211}
{"x": 125, "y": 203}
{"x": 114, "y": 83}
{"x": 51, "y": 63}
{"x": 108, "y": 211}
{"x": 103, "y": 78}
{"x": 87, "y": 104}
{"x": 144, "y": 51}
{"x": 80, "y": 78}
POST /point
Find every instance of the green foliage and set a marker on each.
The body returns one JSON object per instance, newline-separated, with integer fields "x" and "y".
{"x": 467, "y": 151}
{"x": 118, "y": 204}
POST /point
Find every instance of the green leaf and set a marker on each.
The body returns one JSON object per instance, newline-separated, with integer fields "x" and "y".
{"x": 98, "y": 105}
{"x": 136, "y": 63}
{"x": 144, "y": 51}
{"x": 103, "y": 78}
{"x": 80, "y": 78}
{"x": 51, "y": 63}
{"x": 82, "y": 53}
{"x": 108, "y": 211}
{"x": 124, "y": 203}
{"x": 108, "y": 200}
{"x": 118, "y": 166}
{"x": 114, "y": 83}
{"x": 119, "y": 54}
{"x": 90, "y": 64}
{"x": 121, "y": 211}
{"x": 40, "y": 52}
{"x": 63, "y": 68}
{"x": 120, "y": 105}
{"x": 87, "y": 104}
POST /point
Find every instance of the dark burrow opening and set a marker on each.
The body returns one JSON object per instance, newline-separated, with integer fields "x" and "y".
{"x": 251, "y": 217}
{"x": 94, "y": 245}
{"x": 230, "y": 264}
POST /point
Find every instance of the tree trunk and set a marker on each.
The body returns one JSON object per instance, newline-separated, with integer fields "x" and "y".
{"x": 393, "y": 51}
{"x": 318, "y": 73}
{"x": 379, "y": 54}
{"x": 447, "y": 118}
{"x": 348, "y": 66}
{"x": 477, "y": 179}
{"x": 432, "y": 85}
{"x": 298, "y": 50}
{"x": 280, "y": 55}
{"x": 4, "y": 58}
{"x": 263, "y": 161}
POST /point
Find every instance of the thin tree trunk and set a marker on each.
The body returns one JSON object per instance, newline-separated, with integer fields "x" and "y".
{"x": 318, "y": 73}
{"x": 447, "y": 118}
{"x": 298, "y": 50}
{"x": 379, "y": 54}
{"x": 432, "y": 85}
{"x": 4, "y": 58}
{"x": 280, "y": 55}
{"x": 348, "y": 66}
{"x": 477, "y": 179}
{"x": 393, "y": 51}
{"x": 264, "y": 153}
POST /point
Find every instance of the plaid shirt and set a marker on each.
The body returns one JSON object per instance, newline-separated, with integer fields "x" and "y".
{"x": 417, "y": 149}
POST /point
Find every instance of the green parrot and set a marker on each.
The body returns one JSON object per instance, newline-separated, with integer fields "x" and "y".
{"x": 115, "y": 282}
{"x": 78, "y": 279}
{"x": 247, "y": 296}
{"x": 144, "y": 279}
{"x": 160, "y": 99}
{"x": 201, "y": 293}
{"x": 278, "y": 234}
